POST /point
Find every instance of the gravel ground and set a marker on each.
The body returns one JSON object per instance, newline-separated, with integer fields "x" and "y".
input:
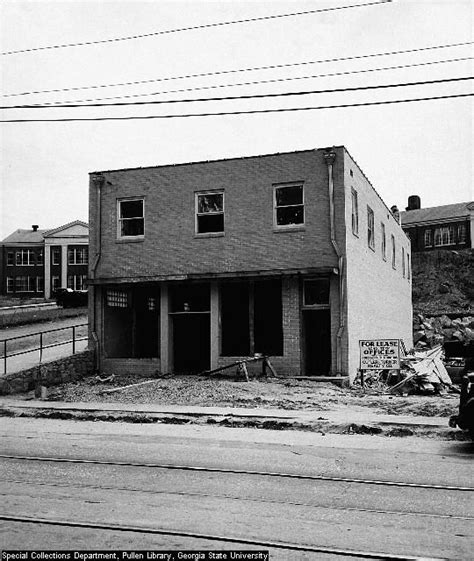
{"x": 270, "y": 393}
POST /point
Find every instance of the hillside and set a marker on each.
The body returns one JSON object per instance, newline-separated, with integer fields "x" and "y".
{"x": 443, "y": 282}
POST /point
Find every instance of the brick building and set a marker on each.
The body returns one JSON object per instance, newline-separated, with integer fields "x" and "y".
{"x": 35, "y": 262}
{"x": 194, "y": 266}
{"x": 439, "y": 227}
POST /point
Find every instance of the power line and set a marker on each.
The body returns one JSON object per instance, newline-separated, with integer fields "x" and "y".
{"x": 259, "y": 82}
{"x": 241, "y": 97}
{"x": 222, "y": 113}
{"x": 234, "y": 71}
{"x": 194, "y": 27}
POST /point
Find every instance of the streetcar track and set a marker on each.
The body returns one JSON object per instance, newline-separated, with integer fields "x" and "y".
{"x": 214, "y": 537}
{"x": 236, "y": 498}
{"x": 241, "y": 472}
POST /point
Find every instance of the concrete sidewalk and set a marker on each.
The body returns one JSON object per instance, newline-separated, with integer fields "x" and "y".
{"x": 296, "y": 419}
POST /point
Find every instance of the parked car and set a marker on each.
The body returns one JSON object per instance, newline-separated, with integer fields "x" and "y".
{"x": 69, "y": 298}
{"x": 465, "y": 418}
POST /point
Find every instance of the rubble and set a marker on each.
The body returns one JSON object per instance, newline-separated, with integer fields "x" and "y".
{"x": 429, "y": 332}
{"x": 421, "y": 372}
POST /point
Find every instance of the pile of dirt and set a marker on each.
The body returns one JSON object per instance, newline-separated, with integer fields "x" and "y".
{"x": 289, "y": 394}
{"x": 443, "y": 282}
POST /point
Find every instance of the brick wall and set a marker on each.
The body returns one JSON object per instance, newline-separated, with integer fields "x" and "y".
{"x": 50, "y": 374}
{"x": 378, "y": 297}
{"x": 250, "y": 243}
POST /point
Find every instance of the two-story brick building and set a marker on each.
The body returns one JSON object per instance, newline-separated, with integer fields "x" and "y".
{"x": 438, "y": 227}
{"x": 36, "y": 262}
{"x": 196, "y": 265}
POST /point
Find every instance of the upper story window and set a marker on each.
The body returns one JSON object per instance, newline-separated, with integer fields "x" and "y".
{"x": 210, "y": 212}
{"x": 384, "y": 241}
{"x": 355, "y": 212}
{"x": 428, "y": 239}
{"x": 130, "y": 218}
{"x": 370, "y": 228}
{"x": 461, "y": 233}
{"x": 78, "y": 255}
{"x": 39, "y": 257}
{"x": 288, "y": 205}
{"x": 11, "y": 258}
{"x": 444, "y": 236}
{"x": 25, "y": 257}
{"x": 394, "y": 252}
{"x": 56, "y": 255}
{"x": 403, "y": 262}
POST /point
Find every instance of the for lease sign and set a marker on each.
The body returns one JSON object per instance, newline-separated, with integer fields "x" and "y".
{"x": 378, "y": 354}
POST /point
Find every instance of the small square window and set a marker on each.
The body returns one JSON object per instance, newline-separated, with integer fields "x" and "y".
{"x": 131, "y": 218}
{"x": 289, "y": 205}
{"x": 210, "y": 213}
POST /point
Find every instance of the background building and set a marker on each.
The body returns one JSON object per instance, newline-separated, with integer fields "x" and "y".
{"x": 35, "y": 262}
{"x": 439, "y": 227}
{"x": 293, "y": 255}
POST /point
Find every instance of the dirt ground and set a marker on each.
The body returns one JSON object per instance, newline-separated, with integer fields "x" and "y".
{"x": 262, "y": 393}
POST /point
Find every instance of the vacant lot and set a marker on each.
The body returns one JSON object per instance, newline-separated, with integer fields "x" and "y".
{"x": 264, "y": 393}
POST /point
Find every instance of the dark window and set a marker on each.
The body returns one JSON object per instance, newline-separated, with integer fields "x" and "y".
{"x": 209, "y": 213}
{"x": 355, "y": 212}
{"x": 39, "y": 258}
{"x": 131, "y": 218}
{"x": 316, "y": 292}
{"x": 10, "y": 258}
{"x": 289, "y": 205}
{"x": 56, "y": 256}
{"x": 190, "y": 298}
{"x": 370, "y": 228}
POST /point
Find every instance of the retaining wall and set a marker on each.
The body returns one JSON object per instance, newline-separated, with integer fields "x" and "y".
{"x": 67, "y": 369}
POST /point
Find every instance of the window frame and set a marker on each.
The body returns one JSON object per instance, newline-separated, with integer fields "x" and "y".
{"x": 383, "y": 241}
{"x": 300, "y": 225}
{"x": 10, "y": 259}
{"x": 56, "y": 252}
{"x": 450, "y": 233}
{"x": 80, "y": 255}
{"x": 428, "y": 235}
{"x": 120, "y": 220}
{"x": 10, "y": 285}
{"x": 55, "y": 280}
{"x": 394, "y": 252}
{"x": 370, "y": 228}
{"x": 461, "y": 234}
{"x": 323, "y": 306}
{"x": 355, "y": 212}
{"x": 198, "y": 194}
{"x": 403, "y": 263}
{"x": 20, "y": 258}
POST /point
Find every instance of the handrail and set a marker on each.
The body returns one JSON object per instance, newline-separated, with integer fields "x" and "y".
{"x": 42, "y": 346}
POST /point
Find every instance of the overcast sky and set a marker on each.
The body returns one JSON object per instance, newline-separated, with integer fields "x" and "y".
{"x": 423, "y": 148}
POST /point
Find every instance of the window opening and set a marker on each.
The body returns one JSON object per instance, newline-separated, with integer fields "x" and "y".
{"x": 10, "y": 284}
{"x": 444, "y": 236}
{"x": 461, "y": 233}
{"x": 25, "y": 257}
{"x": 10, "y": 258}
{"x": 384, "y": 241}
{"x": 131, "y": 218}
{"x": 117, "y": 298}
{"x": 403, "y": 262}
{"x": 394, "y": 255}
{"x": 209, "y": 213}
{"x": 39, "y": 258}
{"x": 289, "y": 205}
{"x": 78, "y": 256}
{"x": 316, "y": 292}
{"x": 55, "y": 283}
{"x": 428, "y": 239}
{"x": 56, "y": 256}
{"x": 370, "y": 228}
{"x": 355, "y": 212}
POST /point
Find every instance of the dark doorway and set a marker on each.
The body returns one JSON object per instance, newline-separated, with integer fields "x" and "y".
{"x": 191, "y": 342}
{"x": 317, "y": 342}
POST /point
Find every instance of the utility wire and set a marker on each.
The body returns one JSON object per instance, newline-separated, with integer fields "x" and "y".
{"x": 258, "y": 82}
{"x": 234, "y": 71}
{"x": 240, "y": 97}
{"x": 221, "y": 113}
{"x": 195, "y": 27}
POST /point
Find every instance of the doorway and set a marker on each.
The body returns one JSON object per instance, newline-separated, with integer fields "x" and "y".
{"x": 317, "y": 342}
{"x": 191, "y": 342}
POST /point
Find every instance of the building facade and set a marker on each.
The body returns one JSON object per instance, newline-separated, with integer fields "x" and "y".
{"x": 440, "y": 227}
{"x": 36, "y": 262}
{"x": 198, "y": 265}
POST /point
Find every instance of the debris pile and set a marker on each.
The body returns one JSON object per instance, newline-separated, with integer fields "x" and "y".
{"x": 421, "y": 372}
{"x": 429, "y": 332}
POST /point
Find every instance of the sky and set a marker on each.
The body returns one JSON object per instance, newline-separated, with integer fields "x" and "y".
{"x": 423, "y": 148}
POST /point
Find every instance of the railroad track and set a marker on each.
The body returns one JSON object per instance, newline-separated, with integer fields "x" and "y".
{"x": 240, "y": 472}
{"x": 217, "y": 538}
{"x": 261, "y": 544}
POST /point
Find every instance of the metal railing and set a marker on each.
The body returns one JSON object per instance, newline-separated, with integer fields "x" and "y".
{"x": 75, "y": 339}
